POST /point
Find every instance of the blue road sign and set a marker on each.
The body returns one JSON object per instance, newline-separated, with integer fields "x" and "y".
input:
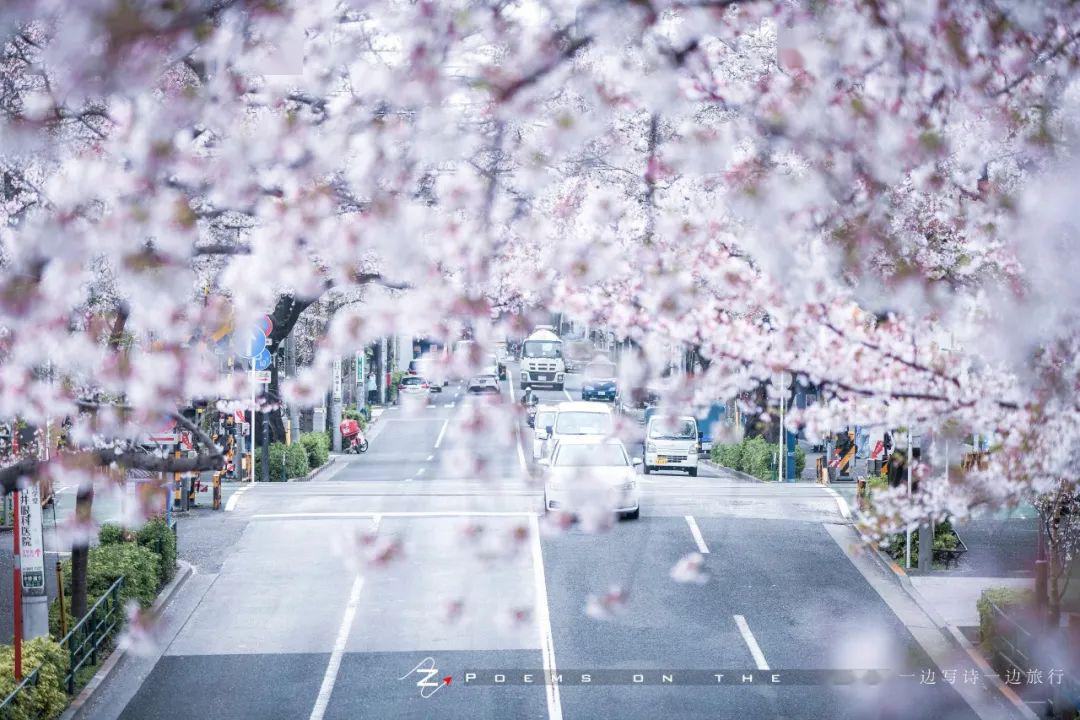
{"x": 263, "y": 360}
{"x": 250, "y": 342}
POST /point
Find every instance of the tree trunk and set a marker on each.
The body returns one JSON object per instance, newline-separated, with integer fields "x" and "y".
{"x": 80, "y": 552}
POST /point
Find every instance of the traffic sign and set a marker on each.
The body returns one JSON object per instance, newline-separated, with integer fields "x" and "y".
{"x": 250, "y": 342}
{"x": 263, "y": 360}
{"x": 266, "y": 325}
{"x": 166, "y": 436}
{"x": 261, "y": 376}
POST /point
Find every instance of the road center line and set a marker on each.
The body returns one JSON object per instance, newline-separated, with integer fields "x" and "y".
{"x": 748, "y": 637}
{"x": 543, "y": 617}
{"x": 442, "y": 431}
{"x": 696, "y": 532}
{"x": 332, "y": 668}
{"x": 430, "y": 458}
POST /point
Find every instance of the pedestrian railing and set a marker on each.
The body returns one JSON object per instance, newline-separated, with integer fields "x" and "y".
{"x": 28, "y": 681}
{"x": 94, "y": 630}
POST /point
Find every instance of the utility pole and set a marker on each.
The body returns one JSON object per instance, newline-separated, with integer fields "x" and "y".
{"x": 290, "y": 371}
{"x": 382, "y": 371}
{"x": 907, "y": 531}
{"x": 780, "y": 454}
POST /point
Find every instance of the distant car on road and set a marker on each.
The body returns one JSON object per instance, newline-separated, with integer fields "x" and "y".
{"x": 599, "y": 382}
{"x": 584, "y": 472}
{"x": 414, "y": 385}
{"x": 485, "y": 381}
{"x": 637, "y": 402}
{"x": 430, "y": 369}
{"x": 671, "y": 443}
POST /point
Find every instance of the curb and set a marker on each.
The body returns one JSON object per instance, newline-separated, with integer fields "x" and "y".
{"x": 316, "y": 471}
{"x": 740, "y": 475}
{"x": 948, "y": 630}
{"x": 183, "y": 572}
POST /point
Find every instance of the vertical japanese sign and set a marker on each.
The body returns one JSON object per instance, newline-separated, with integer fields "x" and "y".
{"x": 337, "y": 379}
{"x": 31, "y": 550}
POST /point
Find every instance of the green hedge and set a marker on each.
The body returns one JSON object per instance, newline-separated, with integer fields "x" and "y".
{"x": 754, "y": 457}
{"x": 317, "y": 446}
{"x": 286, "y": 462}
{"x": 1006, "y": 598}
{"x": 944, "y": 539}
{"x": 46, "y": 699}
{"x": 156, "y": 536}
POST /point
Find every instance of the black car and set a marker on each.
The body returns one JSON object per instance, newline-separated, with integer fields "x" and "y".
{"x": 599, "y": 381}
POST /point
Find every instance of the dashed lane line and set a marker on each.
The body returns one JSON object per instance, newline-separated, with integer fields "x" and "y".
{"x": 696, "y": 532}
{"x": 751, "y": 643}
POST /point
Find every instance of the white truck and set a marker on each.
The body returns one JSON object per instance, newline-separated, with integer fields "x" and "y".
{"x": 542, "y": 360}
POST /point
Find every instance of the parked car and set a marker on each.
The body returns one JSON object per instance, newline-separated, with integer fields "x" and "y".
{"x": 584, "y": 471}
{"x": 671, "y": 443}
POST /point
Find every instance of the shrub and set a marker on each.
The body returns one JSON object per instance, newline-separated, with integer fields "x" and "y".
{"x": 111, "y": 533}
{"x": 277, "y": 460}
{"x": 944, "y": 539}
{"x": 729, "y": 456}
{"x": 317, "y": 446}
{"x": 106, "y": 563}
{"x": 800, "y": 461}
{"x": 1006, "y": 598}
{"x": 156, "y": 536}
{"x": 757, "y": 458}
{"x": 46, "y": 699}
{"x": 296, "y": 461}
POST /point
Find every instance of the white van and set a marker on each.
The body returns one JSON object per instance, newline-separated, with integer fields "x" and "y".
{"x": 580, "y": 420}
{"x": 671, "y": 443}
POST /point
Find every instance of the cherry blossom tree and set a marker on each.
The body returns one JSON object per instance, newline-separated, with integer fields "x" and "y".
{"x": 873, "y": 198}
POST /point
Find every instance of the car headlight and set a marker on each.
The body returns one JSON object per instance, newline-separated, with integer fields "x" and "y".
{"x": 590, "y": 388}
{"x": 650, "y": 447}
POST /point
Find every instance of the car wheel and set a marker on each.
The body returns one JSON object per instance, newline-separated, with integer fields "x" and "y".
{"x": 633, "y": 514}
{"x": 647, "y": 469}
{"x": 559, "y": 387}
{"x": 693, "y": 472}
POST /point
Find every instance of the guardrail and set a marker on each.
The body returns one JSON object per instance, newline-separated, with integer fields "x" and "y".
{"x": 92, "y": 631}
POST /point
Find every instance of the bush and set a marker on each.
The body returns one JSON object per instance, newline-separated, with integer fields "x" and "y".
{"x": 800, "y": 461}
{"x": 156, "y": 536}
{"x": 757, "y": 458}
{"x": 111, "y": 533}
{"x": 46, "y": 699}
{"x": 277, "y": 461}
{"x": 944, "y": 539}
{"x": 138, "y": 565}
{"x": 729, "y": 456}
{"x": 317, "y": 447}
{"x": 1006, "y": 598}
{"x": 296, "y": 461}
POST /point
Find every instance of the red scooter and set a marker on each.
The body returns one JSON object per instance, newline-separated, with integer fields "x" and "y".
{"x": 352, "y": 437}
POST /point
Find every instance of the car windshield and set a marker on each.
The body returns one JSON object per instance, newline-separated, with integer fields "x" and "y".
{"x": 665, "y": 429}
{"x": 576, "y": 422}
{"x": 542, "y": 349}
{"x": 411, "y": 380}
{"x": 606, "y": 455}
{"x": 600, "y": 371}
{"x": 543, "y": 419}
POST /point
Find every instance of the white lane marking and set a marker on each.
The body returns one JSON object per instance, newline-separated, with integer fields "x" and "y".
{"x": 430, "y": 458}
{"x": 448, "y": 405}
{"x": 438, "y": 440}
{"x": 840, "y": 503}
{"x": 543, "y": 616}
{"x": 511, "y": 386}
{"x": 402, "y": 514}
{"x": 696, "y": 532}
{"x": 407, "y": 480}
{"x": 332, "y": 668}
{"x": 568, "y": 395}
{"x": 748, "y": 637}
{"x": 420, "y": 471}
{"x": 235, "y": 498}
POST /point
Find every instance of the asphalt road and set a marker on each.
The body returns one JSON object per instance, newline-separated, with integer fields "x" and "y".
{"x": 356, "y": 594}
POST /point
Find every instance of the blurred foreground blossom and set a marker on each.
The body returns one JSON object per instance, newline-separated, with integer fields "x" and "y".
{"x": 690, "y": 569}
{"x": 612, "y": 602}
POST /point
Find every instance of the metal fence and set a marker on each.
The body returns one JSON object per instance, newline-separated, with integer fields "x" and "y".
{"x": 83, "y": 644}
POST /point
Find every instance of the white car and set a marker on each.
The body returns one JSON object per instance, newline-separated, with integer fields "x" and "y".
{"x": 671, "y": 443}
{"x": 485, "y": 381}
{"x": 584, "y": 473}
{"x": 413, "y": 385}
{"x": 545, "y": 418}
{"x": 579, "y": 420}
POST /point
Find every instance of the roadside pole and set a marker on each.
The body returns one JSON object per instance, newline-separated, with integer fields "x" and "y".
{"x": 251, "y": 443}
{"x": 16, "y": 574}
{"x": 335, "y": 405}
{"x": 35, "y": 608}
{"x": 907, "y": 531}
{"x": 780, "y": 435}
